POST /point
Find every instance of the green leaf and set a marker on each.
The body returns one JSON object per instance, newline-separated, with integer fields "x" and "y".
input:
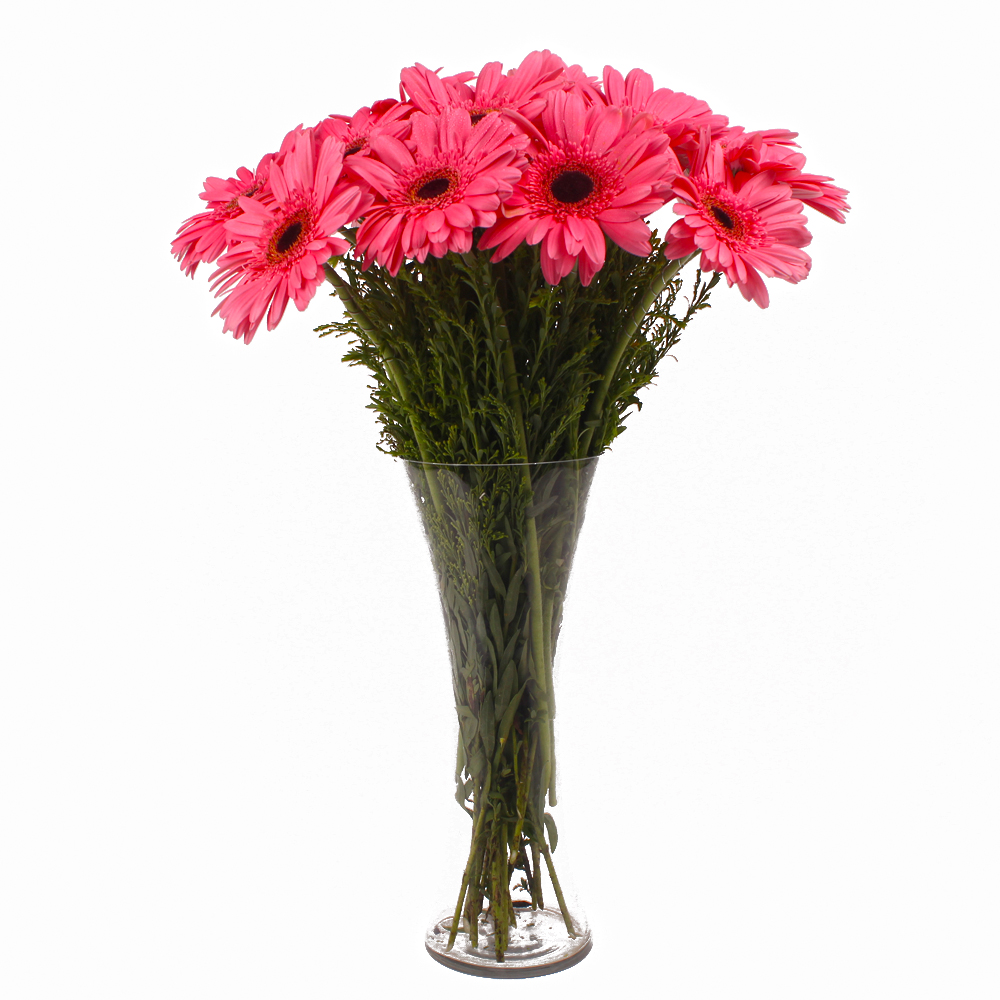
{"x": 481, "y": 627}
{"x": 470, "y": 559}
{"x": 513, "y": 592}
{"x": 553, "y": 833}
{"x": 501, "y": 558}
{"x": 508, "y": 717}
{"x": 477, "y": 763}
{"x": 495, "y": 627}
{"x": 536, "y": 509}
{"x": 505, "y": 690}
{"x": 508, "y": 654}
{"x": 492, "y": 654}
{"x": 468, "y": 723}
{"x": 487, "y": 724}
{"x": 524, "y": 670}
{"x": 495, "y": 578}
{"x": 461, "y": 606}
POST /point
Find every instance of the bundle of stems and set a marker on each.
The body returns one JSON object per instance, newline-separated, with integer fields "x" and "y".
{"x": 502, "y": 540}
{"x": 500, "y": 391}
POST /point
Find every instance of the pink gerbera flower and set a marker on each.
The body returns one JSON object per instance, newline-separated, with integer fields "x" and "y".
{"x": 282, "y": 246}
{"x": 577, "y": 81}
{"x": 755, "y": 152}
{"x": 386, "y": 117}
{"x": 679, "y": 115}
{"x": 521, "y": 90}
{"x": 431, "y": 196}
{"x": 743, "y": 224}
{"x": 743, "y": 148}
{"x": 430, "y": 93}
{"x": 598, "y": 175}
{"x": 203, "y": 237}
{"x": 518, "y": 94}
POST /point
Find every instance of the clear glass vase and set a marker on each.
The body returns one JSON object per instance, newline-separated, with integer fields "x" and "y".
{"x": 502, "y": 539}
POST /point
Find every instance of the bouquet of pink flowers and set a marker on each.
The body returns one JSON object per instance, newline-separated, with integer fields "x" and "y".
{"x": 540, "y": 155}
{"x": 513, "y": 364}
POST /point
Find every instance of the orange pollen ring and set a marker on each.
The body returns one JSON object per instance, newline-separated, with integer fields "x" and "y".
{"x": 572, "y": 183}
{"x": 234, "y": 205}
{"x": 433, "y": 186}
{"x": 726, "y": 218}
{"x": 476, "y": 116}
{"x": 289, "y": 236}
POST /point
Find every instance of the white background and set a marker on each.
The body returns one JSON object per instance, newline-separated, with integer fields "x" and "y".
{"x": 227, "y": 731}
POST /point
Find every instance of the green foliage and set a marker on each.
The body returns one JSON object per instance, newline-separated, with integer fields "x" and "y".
{"x": 487, "y": 367}
{"x": 465, "y": 353}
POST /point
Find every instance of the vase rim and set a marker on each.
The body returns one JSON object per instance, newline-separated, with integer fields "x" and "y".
{"x": 498, "y": 465}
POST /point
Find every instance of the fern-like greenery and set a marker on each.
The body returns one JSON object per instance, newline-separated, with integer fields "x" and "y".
{"x": 458, "y": 347}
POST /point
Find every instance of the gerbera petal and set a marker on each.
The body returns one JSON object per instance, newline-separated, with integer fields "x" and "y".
{"x": 380, "y": 176}
{"x": 278, "y": 304}
{"x": 587, "y": 268}
{"x": 607, "y": 128}
{"x": 589, "y": 233}
{"x": 434, "y": 220}
{"x": 426, "y": 89}
{"x": 391, "y": 152}
{"x": 630, "y": 236}
{"x": 459, "y": 214}
{"x": 614, "y": 86}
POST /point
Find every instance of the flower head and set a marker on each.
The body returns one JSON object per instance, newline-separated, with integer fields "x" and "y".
{"x": 577, "y": 81}
{"x": 281, "y": 247}
{"x": 743, "y": 224}
{"x": 431, "y": 192}
{"x": 203, "y": 237}
{"x": 597, "y": 174}
{"x": 430, "y": 93}
{"x": 755, "y": 152}
{"x": 518, "y": 95}
{"x": 520, "y": 91}
{"x": 382, "y": 118}
{"x": 679, "y": 115}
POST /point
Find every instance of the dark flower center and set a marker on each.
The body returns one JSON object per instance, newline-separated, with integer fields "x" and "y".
{"x": 234, "y": 205}
{"x": 571, "y": 186}
{"x": 287, "y": 239}
{"x": 722, "y": 217}
{"x": 433, "y": 188}
{"x": 355, "y": 147}
{"x": 481, "y": 112}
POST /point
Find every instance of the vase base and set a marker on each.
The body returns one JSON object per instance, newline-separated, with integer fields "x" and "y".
{"x": 538, "y": 946}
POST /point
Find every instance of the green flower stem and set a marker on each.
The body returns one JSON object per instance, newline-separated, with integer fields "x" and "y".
{"x": 551, "y": 689}
{"x": 537, "y": 900}
{"x": 500, "y": 904}
{"x": 351, "y": 306}
{"x": 467, "y": 877}
{"x": 656, "y": 288}
{"x": 559, "y": 893}
{"x": 522, "y": 802}
{"x": 539, "y": 620}
{"x": 474, "y": 900}
{"x": 539, "y": 647}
